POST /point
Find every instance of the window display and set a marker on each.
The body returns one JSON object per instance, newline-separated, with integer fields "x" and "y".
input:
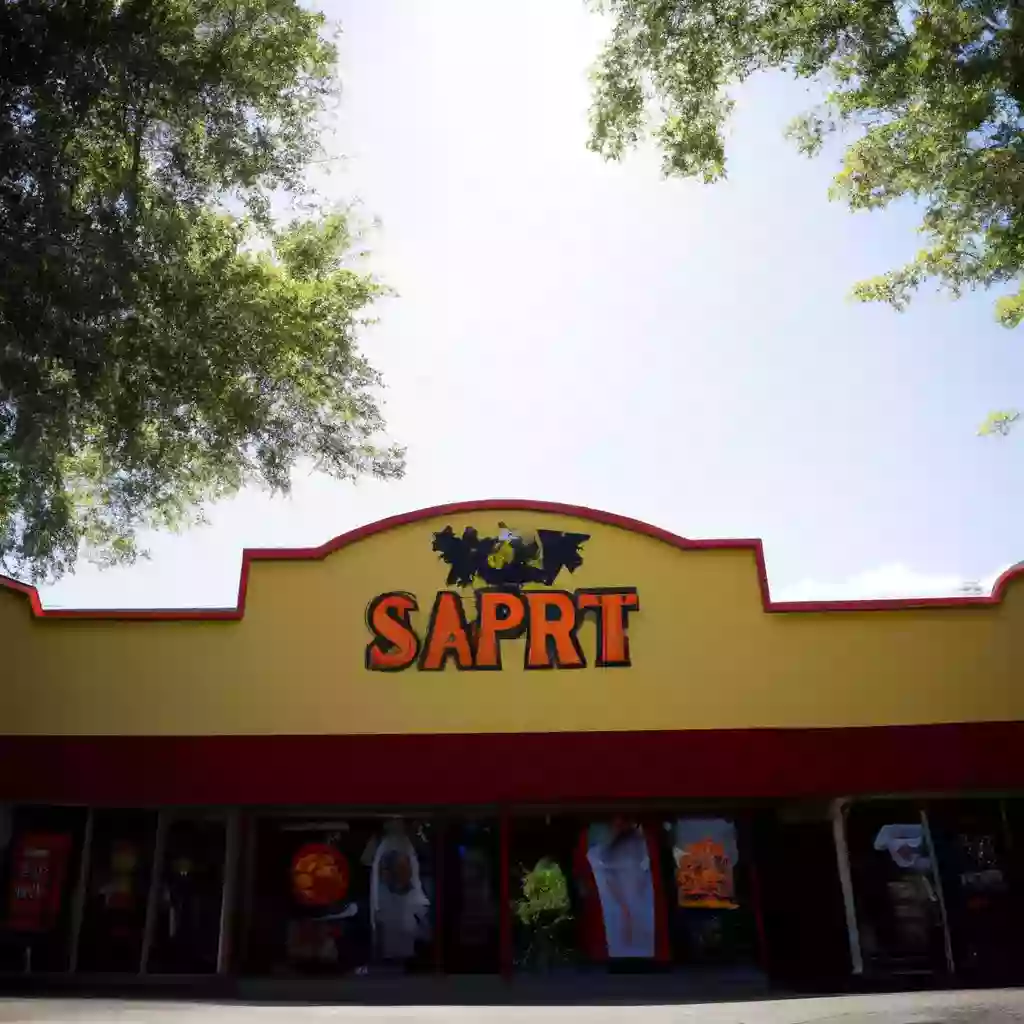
{"x": 545, "y": 900}
{"x": 711, "y": 918}
{"x": 970, "y": 844}
{"x": 38, "y": 875}
{"x": 587, "y": 891}
{"x": 343, "y": 896}
{"x": 899, "y": 914}
{"x": 41, "y": 869}
{"x": 399, "y": 906}
{"x": 630, "y": 892}
{"x": 118, "y": 891}
{"x": 618, "y": 869}
{"x": 320, "y": 875}
{"x": 187, "y": 928}
{"x": 705, "y": 855}
{"x": 544, "y": 910}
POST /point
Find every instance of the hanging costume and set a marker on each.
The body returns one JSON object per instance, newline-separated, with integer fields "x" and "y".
{"x": 618, "y": 869}
{"x": 398, "y": 904}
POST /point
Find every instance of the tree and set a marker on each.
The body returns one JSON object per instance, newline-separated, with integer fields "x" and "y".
{"x": 163, "y": 339}
{"x": 933, "y": 89}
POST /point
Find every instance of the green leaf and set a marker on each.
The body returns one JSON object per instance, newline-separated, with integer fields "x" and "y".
{"x": 158, "y": 352}
{"x": 932, "y": 94}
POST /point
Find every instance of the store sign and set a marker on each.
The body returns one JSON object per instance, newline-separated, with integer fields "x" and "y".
{"x": 549, "y": 619}
{"x": 494, "y": 573}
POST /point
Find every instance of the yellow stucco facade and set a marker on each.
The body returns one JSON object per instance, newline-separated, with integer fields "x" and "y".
{"x": 705, "y": 652}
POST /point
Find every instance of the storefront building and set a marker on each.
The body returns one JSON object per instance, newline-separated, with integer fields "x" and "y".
{"x": 513, "y": 738}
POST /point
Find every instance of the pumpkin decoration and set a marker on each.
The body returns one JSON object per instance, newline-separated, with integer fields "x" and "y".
{"x": 320, "y": 875}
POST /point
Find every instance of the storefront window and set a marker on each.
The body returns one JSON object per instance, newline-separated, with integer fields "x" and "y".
{"x": 588, "y": 891}
{"x": 545, "y": 915}
{"x": 118, "y": 891}
{"x": 334, "y": 897}
{"x": 470, "y": 917}
{"x": 970, "y": 844}
{"x": 41, "y": 856}
{"x": 629, "y": 892}
{"x": 899, "y": 913}
{"x": 618, "y": 869}
{"x": 545, "y": 904}
{"x": 710, "y": 918}
{"x": 186, "y": 932}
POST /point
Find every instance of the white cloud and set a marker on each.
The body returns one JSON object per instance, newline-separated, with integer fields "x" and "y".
{"x": 888, "y": 581}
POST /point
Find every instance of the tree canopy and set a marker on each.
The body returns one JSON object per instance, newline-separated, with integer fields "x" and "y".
{"x": 163, "y": 339}
{"x": 932, "y": 90}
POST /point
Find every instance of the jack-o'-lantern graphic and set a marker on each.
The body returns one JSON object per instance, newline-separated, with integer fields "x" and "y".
{"x": 320, "y": 875}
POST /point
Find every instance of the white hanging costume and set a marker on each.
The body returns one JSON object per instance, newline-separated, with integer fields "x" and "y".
{"x": 625, "y": 885}
{"x": 397, "y": 917}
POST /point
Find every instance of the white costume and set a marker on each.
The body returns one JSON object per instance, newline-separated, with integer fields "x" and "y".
{"x": 398, "y": 916}
{"x": 625, "y": 887}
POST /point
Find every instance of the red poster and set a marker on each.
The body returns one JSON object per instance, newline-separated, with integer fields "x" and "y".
{"x": 39, "y": 869}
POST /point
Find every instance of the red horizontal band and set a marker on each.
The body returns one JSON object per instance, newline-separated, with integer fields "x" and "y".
{"x": 508, "y": 768}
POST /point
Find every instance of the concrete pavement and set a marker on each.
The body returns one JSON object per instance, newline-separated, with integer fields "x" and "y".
{"x": 1000, "y": 1006}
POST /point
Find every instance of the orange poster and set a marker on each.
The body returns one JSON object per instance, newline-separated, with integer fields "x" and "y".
{"x": 705, "y": 855}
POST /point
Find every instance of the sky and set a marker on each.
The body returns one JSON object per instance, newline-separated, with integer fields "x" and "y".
{"x": 571, "y": 330}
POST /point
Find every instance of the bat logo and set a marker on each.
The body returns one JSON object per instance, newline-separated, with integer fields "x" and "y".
{"x": 502, "y": 574}
{"x": 510, "y": 560}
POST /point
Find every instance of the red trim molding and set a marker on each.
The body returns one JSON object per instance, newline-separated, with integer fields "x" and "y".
{"x": 508, "y": 768}
{"x": 250, "y": 555}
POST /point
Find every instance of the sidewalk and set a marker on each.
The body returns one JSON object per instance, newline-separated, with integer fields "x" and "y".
{"x": 958, "y": 1007}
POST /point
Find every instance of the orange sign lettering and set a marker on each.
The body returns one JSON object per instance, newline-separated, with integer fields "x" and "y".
{"x": 550, "y": 621}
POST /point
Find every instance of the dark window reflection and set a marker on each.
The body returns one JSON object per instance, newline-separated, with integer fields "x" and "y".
{"x": 118, "y": 891}
{"x": 970, "y": 843}
{"x": 187, "y": 929}
{"x": 471, "y": 886}
{"x": 899, "y": 916}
